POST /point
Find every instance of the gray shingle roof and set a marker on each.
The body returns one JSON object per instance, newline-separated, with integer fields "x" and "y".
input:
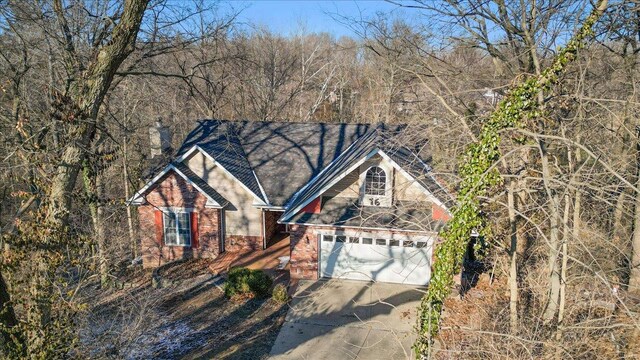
{"x": 201, "y": 183}
{"x": 381, "y": 138}
{"x": 284, "y": 155}
{"x": 346, "y": 212}
{"x": 220, "y": 140}
{"x": 420, "y": 171}
{"x": 287, "y": 157}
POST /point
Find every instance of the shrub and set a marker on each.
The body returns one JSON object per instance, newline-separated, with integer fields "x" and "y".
{"x": 280, "y": 294}
{"x": 247, "y": 282}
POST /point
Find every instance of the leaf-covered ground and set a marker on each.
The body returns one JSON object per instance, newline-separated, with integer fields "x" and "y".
{"x": 191, "y": 319}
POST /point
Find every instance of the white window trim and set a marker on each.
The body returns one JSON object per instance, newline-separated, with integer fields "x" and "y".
{"x": 386, "y": 180}
{"x": 385, "y": 200}
{"x": 290, "y": 212}
{"x": 176, "y": 211}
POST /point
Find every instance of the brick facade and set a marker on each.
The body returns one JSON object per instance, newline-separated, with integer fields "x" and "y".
{"x": 314, "y": 207}
{"x": 174, "y": 191}
{"x": 304, "y": 252}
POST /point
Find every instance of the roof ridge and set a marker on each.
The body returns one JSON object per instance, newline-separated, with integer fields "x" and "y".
{"x": 234, "y": 128}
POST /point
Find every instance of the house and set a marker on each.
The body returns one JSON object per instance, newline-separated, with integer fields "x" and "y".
{"x": 356, "y": 202}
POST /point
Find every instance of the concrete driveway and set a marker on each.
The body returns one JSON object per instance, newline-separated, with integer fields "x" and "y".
{"x": 341, "y": 319}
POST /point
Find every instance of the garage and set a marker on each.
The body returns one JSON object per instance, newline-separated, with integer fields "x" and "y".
{"x": 394, "y": 258}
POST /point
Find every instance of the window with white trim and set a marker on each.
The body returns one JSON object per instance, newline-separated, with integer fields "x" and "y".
{"x": 177, "y": 228}
{"x": 375, "y": 182}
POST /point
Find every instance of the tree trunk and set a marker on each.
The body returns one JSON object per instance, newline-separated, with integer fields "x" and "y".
{"x": 577, "y": 202}
{"x": 563, "y": 272}
{"x": 39, "y": 301}
{"x": 618, "y": 231}
{"x": 513, "y": 252}
{"x": 87, "y": 95}
{"x": 551, "y": 306}
{"x": 103, "y": 260}
{"x": 80, "y": 104}
{"x": 93, "y": 190}
{"x": 99, "y": 232}
{"x": 125, "y": 175}
{"x": 634, "y": 274}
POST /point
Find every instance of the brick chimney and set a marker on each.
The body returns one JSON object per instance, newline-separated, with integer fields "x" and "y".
{"x": 159, "y": 139}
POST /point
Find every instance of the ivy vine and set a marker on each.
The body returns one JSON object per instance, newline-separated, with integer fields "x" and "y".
{"x": 479, "y": 175}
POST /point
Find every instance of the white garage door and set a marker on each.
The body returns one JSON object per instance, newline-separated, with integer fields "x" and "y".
{"x": 404, "y": 260}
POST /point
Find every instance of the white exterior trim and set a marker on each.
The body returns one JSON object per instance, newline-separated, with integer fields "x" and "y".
{"x": 188, "y": 153}
{"x": 413, "y": 180}
{"x": 176, "y": 211}
{"x": 391, "y": 261}
{"x": 356, "y": 232}
{"x": 331, "y": 184}
{"x": 385, "y": 200}
{"x": 138, "y": 197}
{"x": 198, "y": 148}
{"x": 271, "y": 207}
{"x": 354, "y": 167}
{"x": 432, "y": 177}
{"x": 302, "y": 189}
{"x": 260, "y": 186}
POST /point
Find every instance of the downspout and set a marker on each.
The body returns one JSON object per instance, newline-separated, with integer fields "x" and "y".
{"x": 222, "y": 232}
{"x": 264, "y": 231}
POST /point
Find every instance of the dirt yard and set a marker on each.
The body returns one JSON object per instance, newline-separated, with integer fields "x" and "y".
{"x": 189, "y": 319}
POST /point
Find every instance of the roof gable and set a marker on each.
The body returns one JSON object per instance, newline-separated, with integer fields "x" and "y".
{"x": 214, "y": 199}
{"x": 260, "y": 197}
{"x": 273, "y": 159}
{"x": 220, "y": 141}
{"x": 374, "y": 143}
{"x": 286, "y": 164}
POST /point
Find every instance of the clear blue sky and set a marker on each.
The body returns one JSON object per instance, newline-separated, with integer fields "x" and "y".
{"x": 287, "y": 17}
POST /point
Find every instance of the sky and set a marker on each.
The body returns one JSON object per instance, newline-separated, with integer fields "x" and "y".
{"x": 288, "y": 17}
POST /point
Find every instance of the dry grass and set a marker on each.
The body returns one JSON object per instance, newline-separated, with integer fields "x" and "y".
{"x": 191, "y": 320}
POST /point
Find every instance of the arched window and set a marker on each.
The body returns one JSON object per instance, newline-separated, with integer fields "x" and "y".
{"x": 375, "y": 182}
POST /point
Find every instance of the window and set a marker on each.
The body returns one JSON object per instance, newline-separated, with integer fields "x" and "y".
{"x": 394, "y": 242}
{"x": 421, "y": 244}
{"x": 381, "y": 242}
{"x": 327, "y": 238}
{"x": 407, "y": 243}
{"x": 375, "y": 182}
{"x": 177, "y": 228}
{"x": 354, "y": 240}
{"x": 367, "y": 241}
{"x": 341, "y": 238}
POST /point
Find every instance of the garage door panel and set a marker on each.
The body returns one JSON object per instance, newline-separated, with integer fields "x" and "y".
{"x": 397, "y": 264}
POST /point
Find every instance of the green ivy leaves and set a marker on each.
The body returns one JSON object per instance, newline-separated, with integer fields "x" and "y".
{"x": 479, "y": 175}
